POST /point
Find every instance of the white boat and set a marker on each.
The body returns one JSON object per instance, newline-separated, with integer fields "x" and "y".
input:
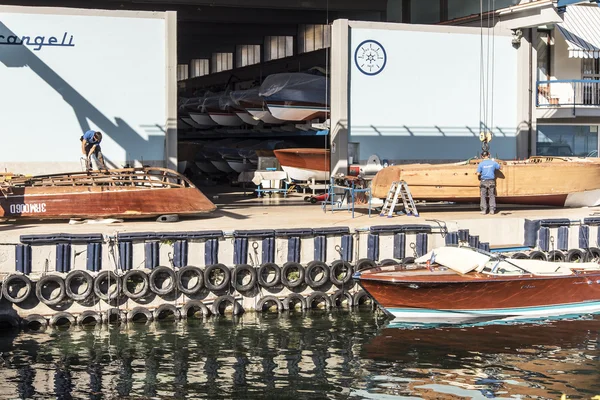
{"x": 219, "y": 108}
{"x": 247, "y": 118}
{"x": 254, "y": 105}
{"x": 202, "y": 119}
{"x": 264, "y": 115}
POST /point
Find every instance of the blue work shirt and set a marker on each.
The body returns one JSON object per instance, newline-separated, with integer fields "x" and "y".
{"x": 89, "y": 137}
{"x": 487, "y": 169}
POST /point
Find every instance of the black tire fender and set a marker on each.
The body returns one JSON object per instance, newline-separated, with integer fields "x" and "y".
{"x": 592, "y": 254}
{"x": 195, "y": 272}
{"x": 89, "y": 316}
{"x": 575, "y": 255}
{"x": 407, "y": 260}
{"x": 556, "y": 256}
{"x": 61, "y": 319}
{"x": 365, "y": 263}
{"x": 289, "y": 267}
{"x": 34, "y": 322}
{"x": 10, "y": 320}
{"x": 134, "y": 295}
{"x": 315, "y": 266}
{"x": 341, "y": 266}
{"x": 114, "y": 316}
{"x": 362, "y": 298}
{"x": 338, "y": 298}
{"x": 292, "y": 299}
{"x": 260, "y": 306}
{"x": 240, "y": 287}
{"x": 111, "y": 277}
{"x": 519, "y": 256}
{"x": 267, "y": 267}
{"x": 388, "y": 261}
{"x": 46, "y": 280}
{"x": 316, "y": 295}
{"x": 538, "y": 255}
{"x": 84, "y": 277}
{"x": 137, "y": 312}
{"x": 192, "y": 306}
{"x": 217, "y": 309}
{"x": 6, "y": 291}
{"x": 156, "y": 274}
{"x": 164, "y": 310}
{"x": 214, "y": 287}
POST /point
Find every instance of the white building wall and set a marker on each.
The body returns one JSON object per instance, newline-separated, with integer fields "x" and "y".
{"x": 425, "y": 102}
{"x": 111, "y": 74}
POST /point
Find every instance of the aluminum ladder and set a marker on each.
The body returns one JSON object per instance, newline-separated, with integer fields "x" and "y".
{"x": 399, "y": 189}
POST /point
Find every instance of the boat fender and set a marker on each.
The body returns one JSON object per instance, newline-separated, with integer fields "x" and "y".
{"x": 162, "y": 280}
{"x": 213, "y": 284}
{"x": 164, "y": 311}
{"x": 388, "y": 261}
{"x": 575, "y": 255}
{"x": 131, "y": 284}
{"x": 268, "y": 301}
{"x": 340, "y": 297}
{"x": 34, "y": 322}
{"x": 89, "y": 317}
{"x": 17, "y": 297}
{"x": 361, "y": 298}
{"x": 264, "y": 272}
{"x": 78, "y": 279}
{"x": 114, "y": 316}
{"x": 62, "y": 318}
{"x": 365, "y": 263}
{"x": 538, "y": 255}
{"x": 219, "y": 306}
{"x": 290, "y": 268}
{"x": 592, "y": 255}
{"x": 237, "y": 273}
{"x": 193, "y": 309}
{"x": 519, "y": 256}
{"x": 556, "y": 256}
{"x": 10, "y": 321}
{"x": 190, "y": 280}
{"x": 407, "y": 260}
{"x": 54, "y": 283}
{"x": 139, "y": 314}
{"x": 107, "y": 285}
{"x": 294, "y": 299}
{"x": 317, "y": 298}
{"x": 341, "y": 272}
{"x": 312, "y": 270}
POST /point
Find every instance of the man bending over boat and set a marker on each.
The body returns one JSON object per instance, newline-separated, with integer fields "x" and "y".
{"x": 90, "y": 146}
{"x": 486, "y": 170}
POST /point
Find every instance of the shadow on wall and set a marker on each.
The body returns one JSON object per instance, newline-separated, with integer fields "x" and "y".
{"x": 19, "y": 56}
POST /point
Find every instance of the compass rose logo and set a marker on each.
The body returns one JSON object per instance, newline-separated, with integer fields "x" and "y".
{"x": 370, "y": 57}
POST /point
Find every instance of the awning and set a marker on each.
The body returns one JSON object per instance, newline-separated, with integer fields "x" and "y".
{"x": 581, "y": 29}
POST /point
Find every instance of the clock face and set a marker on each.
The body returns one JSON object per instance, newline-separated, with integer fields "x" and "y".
{"x": 370, "y": 57}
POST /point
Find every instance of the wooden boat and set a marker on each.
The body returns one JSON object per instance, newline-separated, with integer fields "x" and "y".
{"x": 552, "y": 181}
{"x": 305, "y": 164}
{"x": 117, "y": 193}
{"x": 457, "y": 285}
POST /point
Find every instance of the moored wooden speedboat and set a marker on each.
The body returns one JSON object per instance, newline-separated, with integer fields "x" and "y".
{"x": 305, "y": 164}
{"x": 453, "y": 284}
{"x": 553, "y": 181}
{"x": 117, "y": 193}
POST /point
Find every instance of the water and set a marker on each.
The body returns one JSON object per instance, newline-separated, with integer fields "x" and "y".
{"x": 316, "y": 355}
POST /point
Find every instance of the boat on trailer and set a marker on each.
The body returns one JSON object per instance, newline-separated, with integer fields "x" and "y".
{"x": 305, "y": 164}
{"x": 115, "y": 193}
{"x": 551, "y": 181}
{"x": 465, "y": 285}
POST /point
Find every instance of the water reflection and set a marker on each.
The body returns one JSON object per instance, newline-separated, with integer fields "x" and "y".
{"x": 313, "y": 355}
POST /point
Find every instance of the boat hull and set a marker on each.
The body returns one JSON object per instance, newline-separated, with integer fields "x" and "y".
{"x": 304, "y": 164}
{"x": 247, "y": 118}
{"x": 291, "y": 111}
{"x": 264, "y": 115}
{"x": 225, "y": 119}
{"x": 537, "y": 181}
{"x": 202, "y": 119}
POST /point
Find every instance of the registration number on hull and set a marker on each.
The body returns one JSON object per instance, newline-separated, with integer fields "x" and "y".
{"x": 31, "y": 208}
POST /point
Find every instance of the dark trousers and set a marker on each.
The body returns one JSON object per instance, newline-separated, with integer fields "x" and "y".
{"x": 487, "y": 189}
{"x": 97, "y": 153}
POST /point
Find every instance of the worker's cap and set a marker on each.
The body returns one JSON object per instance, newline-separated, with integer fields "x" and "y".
{"x": 98, "y": 135}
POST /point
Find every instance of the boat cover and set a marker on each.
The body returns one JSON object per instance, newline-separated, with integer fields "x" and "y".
{"x": 249, "y": 96}
{"x": 459, "y": 259}
{"x": 295, "y": 87}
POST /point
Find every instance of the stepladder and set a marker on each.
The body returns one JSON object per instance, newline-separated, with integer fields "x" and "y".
{"x": 399, "y": 190}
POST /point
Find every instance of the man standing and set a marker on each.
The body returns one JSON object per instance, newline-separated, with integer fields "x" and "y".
{"x": 90, "y": 145}
{"x": 486, "y": 170}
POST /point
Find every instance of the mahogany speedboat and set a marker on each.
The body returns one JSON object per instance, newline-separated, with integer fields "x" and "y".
{"x": 304, "y": 164}
{"x": 116, "y": 193}
{"x": 552, "y": 181}
{"x": 458, "y": 285}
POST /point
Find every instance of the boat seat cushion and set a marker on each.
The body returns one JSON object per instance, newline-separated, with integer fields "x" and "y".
{"x": 536, "y": 267}
{"x": 459, "y": 259}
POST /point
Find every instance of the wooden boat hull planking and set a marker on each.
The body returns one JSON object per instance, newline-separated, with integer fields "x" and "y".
{"x": 305, "y": 164}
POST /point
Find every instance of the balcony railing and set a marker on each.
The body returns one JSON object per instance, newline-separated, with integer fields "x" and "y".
{"x": 585, "y": 92}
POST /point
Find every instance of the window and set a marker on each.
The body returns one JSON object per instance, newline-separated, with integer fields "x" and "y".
{"x": 590, "y": 70}
{"x": 313, "y": 37}
{"x": 222, "y": 62}
{"x": 247, "y": 54}
{"x": 199, "y": 67}
{"x": 543, "y": 47}
{"x": 278, "y": 47}
{"x": 567, "y": 140}
{"x": 182, "y": 72}
{"x": 425, "y": 12}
